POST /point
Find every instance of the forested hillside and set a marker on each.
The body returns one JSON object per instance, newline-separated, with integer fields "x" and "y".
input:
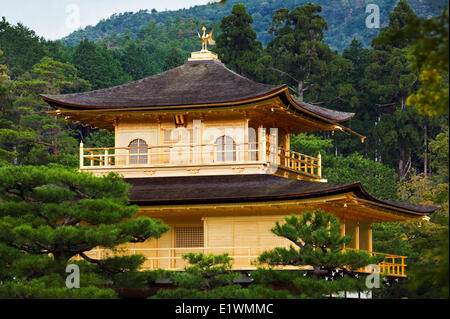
{"x": 346, "y": 18}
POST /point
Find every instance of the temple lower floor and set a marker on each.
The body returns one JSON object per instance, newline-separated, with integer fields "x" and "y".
{"x": 243, "y": 232}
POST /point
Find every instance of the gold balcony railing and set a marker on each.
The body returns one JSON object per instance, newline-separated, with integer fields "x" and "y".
{"x": 198, "y": 154}
{"x": 243, "y": 258}
{"x": 300, "y": 162}
{"x": 392, "y": 265}
{"x": 179, "y": 154}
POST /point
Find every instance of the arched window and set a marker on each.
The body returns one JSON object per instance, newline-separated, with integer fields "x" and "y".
{"x": 225, "y": 149}
{"x": 138, "y": 152}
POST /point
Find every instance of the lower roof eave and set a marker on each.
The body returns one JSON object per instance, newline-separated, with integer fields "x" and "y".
{"x": 203, "y": 190}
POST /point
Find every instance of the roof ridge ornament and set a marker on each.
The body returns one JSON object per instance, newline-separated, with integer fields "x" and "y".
{"x": 205, "y": 54}
{"x": 206, "y": 39}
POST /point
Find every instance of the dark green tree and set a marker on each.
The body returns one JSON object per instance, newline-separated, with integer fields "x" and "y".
{"x": 136, "y": 61}
{"x": 378, "y": 179}
{"x": 401, "y": 16}
{"x": 298, "y": 52}
{"x": 212, "y": 277}
{"x": 42, "y": 138}
{"x": 174, "y": 58}
{"x": 203, "y": 275}
{"x": 237, "y": 45}
{"x": 318, "y": 243}
{"x": 21, "y": 46}
{"x": 49, "y": 216}
{"x": 428, "y": 46}
{"x": 429, "y": 54}
{"x": 97, "y": 65}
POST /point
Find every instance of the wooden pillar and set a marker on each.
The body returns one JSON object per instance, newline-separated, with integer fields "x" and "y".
{"x": 370, "y": 238}
{"x": 160, "y": 141}
{"x": 203, "y": 140}
{"x": 81, "y": 155}
{"x": 343, "y": 231}
{"x": 197, "y": 140}
{"x": 205, "y": 234}
{"x": 288, "y": 142}
{"x": 319, "y": 170}
{"x": 357, "y": 236}
{"x": 261, "y": 144}
{"x": 246, "y": 140}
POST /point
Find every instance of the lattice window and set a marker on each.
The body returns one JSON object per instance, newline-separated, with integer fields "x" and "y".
{"x": 138, "y": 152}
{"x": 189, "y": 237}
{"x": 225, "y": 149}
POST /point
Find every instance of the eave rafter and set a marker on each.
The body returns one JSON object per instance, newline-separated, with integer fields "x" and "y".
{"x": 293, "y": 120}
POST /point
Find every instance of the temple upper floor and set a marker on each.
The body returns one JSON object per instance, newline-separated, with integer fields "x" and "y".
{"x": 178, "y": 145}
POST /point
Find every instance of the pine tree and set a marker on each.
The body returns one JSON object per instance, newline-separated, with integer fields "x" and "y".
{"x": 298, "y": 51}
{"x": 237, "y": 45}
{"x": 401, "y": 16}
{"x": 49, "y": 216}
{"x": 42, "y": 138}
{"x": 97, "y": 65}
{"x": 318, "y": 244}
{"x": 211, "y": 277}
{"x": 136, "y": 61}
{"x": 21, "y": 46}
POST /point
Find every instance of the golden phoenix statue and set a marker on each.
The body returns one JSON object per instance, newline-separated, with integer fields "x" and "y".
{"x": 206, "y": 39}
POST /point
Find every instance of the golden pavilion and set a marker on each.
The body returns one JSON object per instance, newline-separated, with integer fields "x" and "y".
{"x": 208, "y": 152}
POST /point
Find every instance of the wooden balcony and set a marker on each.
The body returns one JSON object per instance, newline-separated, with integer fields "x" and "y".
{"x": 244, "y": 258}
{"x": 223, "y": 158}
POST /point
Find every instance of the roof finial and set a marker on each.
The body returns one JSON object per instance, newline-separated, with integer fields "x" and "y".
{"x": 204, "y": 54}
{"x": 206, "y": 39}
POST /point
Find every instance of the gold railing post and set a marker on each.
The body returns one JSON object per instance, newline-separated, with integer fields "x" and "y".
{"x": 263, "y": 145}
{"x": 357, "y": 236}
{"x": 319, "y": 169}
{"x": 81, "y": 155}
{"x": 106, "y": 163}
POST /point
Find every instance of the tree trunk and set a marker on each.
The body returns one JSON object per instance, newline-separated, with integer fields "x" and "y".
{"x": 402, "y": 164}
{"x": 300, "y": 91}
{"x": 425, "y": 161}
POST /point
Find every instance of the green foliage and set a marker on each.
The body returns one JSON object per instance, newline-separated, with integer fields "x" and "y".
{"x": 211, "y": 277}
{"x": 297, "y": 49}
{"x": 49, "y": 215}
{"x": 51, "y": 287}
{"x": 100, "y": 138}
{"x": 433, "y": 266}
{"x": 28, "y": 135}
{"x": 310, "y": 144}
{"x": 98, "y": 65}
{"x": 376, "y": 178}
{"x": 439, "y": 148}
{"x": 206, "y": 275}
{"x": 428, "y": 46}
{"x": 237, "y": 45}
{"x": 318, "y": 244}
{"x": 21, "y": 46}
{"x": 401, "y": 16}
